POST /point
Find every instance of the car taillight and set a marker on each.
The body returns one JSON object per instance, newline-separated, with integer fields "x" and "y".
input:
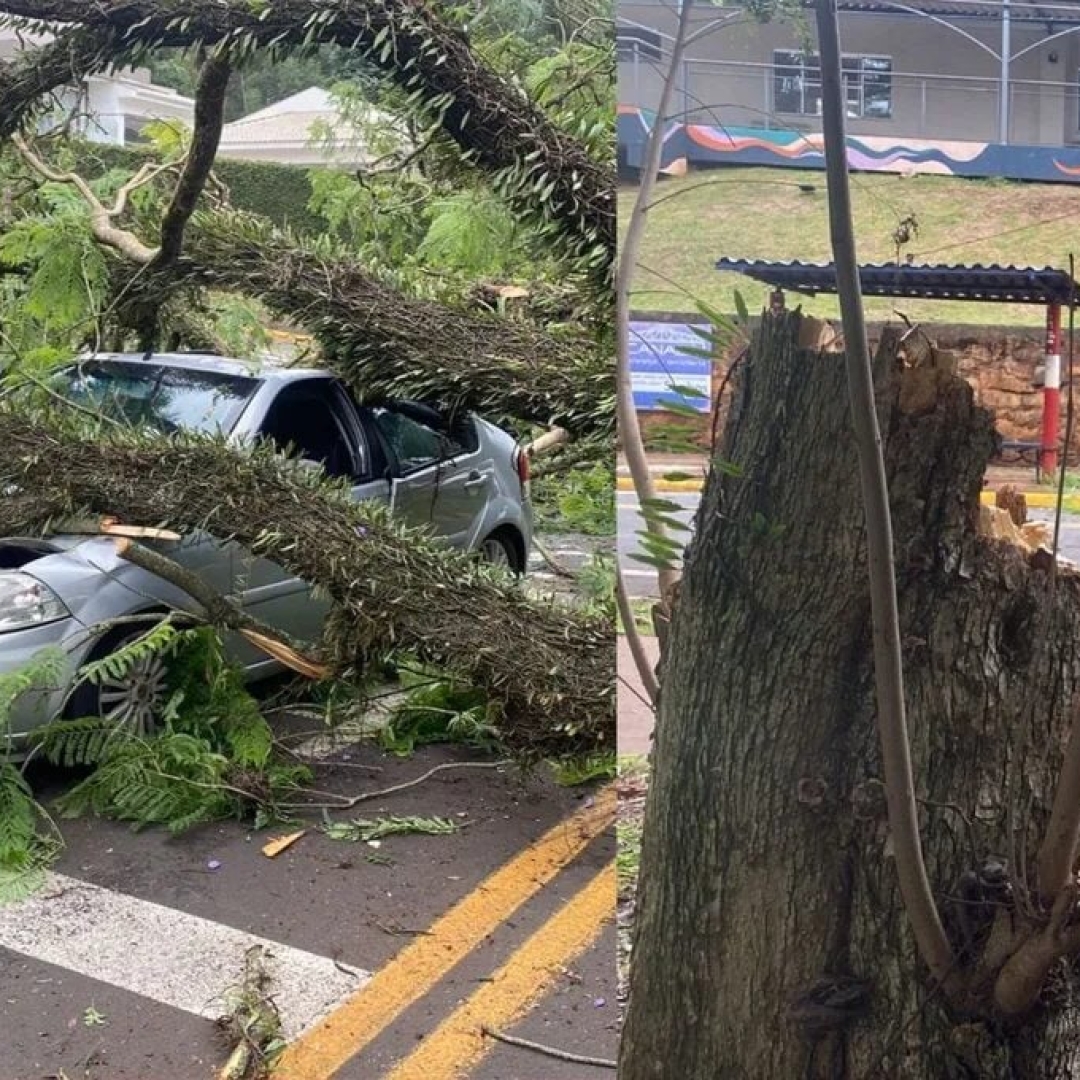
{"x": 521, "y": 464}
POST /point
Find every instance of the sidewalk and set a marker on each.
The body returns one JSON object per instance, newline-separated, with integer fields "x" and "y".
{"x": 635, "y": 716}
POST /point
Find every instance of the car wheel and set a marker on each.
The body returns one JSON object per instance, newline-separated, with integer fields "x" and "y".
{"x": 498, "y": 550}
{"x": 134, "y": 700}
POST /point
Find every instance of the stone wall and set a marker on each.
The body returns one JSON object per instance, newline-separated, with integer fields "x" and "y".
{"x": 999, "y": 361}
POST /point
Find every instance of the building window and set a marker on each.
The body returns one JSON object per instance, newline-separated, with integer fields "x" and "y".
{"x": 633, "y": 43}
{"x": 867, "y": 85}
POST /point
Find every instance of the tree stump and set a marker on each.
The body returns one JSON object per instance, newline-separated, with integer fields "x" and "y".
{"x": 771, "y": 943}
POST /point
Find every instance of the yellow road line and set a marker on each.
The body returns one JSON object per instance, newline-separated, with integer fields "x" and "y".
{"x": 1042, "y": 500}
{"x": 323, "y": 1049}
{"x": 454, "y": 1048}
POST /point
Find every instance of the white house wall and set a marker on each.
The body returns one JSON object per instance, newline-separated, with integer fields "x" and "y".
{"x": 943, "y": 86}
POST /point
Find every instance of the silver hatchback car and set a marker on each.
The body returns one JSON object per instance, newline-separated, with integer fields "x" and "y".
{"x": 462, "y": 477}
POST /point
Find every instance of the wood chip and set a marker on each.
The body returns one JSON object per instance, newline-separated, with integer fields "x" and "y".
{"x": 275, "y": 847}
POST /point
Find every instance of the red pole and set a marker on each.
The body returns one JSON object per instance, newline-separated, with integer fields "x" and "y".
{"x": 1051, "y": 390}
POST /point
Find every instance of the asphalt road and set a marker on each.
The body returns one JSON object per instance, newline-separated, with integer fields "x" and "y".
{"x": 641, "y": 579}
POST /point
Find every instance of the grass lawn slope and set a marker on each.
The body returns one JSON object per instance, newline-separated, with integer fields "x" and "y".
{"x": 764, "y": 213}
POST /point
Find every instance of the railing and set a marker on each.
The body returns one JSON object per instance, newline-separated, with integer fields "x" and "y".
{"x": 743, "y": 94}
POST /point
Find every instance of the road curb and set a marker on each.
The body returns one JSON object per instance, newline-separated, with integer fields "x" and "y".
{"x": 1037, "y": 499}
{"x": 624, "y": 483}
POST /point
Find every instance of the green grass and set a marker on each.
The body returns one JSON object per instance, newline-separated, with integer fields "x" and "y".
{"x": 627, "y": 855}
{"x": 761, "y": 213}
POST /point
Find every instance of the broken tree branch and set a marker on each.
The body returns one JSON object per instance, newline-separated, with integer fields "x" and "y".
{"x": 548, "y": 666}
{"x": 903, "y": 818}
{"x": 209, "y": 118}
{"x": 221, "y": 612}
{"x": 101, "y": 216}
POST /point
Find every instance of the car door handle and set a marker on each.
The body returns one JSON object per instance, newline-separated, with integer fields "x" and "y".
{"x": 474, "y": 480}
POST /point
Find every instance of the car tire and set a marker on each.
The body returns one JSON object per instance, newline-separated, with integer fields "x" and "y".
{"x": 135, "y": 699}
{"x": 499, "y": 550}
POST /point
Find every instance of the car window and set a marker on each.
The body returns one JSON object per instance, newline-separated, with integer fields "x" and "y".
{"x": 416, "y": 444}
{"x": 148, "y": 395}
{"x": 308, "y": 421}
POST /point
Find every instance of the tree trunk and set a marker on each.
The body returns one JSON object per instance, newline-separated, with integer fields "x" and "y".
{"x": 771, "y": 941}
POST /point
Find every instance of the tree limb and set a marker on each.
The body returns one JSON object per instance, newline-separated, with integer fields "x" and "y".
{"x": 386, "y": 344}
{"x": 220, "y": 611}
{"x": 549, "y": 666}
{"x": 101, "y": 216}
{"x": 543, "y": 172}
{"x": 382, "y": 342}
{"x": 209, "y": 118}
{"x": 903, "y": 818}
{"x": 1021, "y": 980}
{"x": 36, "y": 73}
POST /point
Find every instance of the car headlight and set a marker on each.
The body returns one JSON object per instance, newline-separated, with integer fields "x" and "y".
{"x": 25, "y": 601}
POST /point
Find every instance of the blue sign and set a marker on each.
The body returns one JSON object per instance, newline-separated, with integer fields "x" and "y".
{"x": 661, "y": 369}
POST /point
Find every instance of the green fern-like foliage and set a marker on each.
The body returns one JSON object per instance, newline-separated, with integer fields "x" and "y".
{"x": 44, "y": 671}
{"x": 213, "y": 758}
{"x": 79, "y": 743}
{"x": 173, "y": 779}
{"x": 443, "y": 710}
{"x": 160, "y": 639}
{"x": 27, "y": 843}
{"x": 216, "y": 704}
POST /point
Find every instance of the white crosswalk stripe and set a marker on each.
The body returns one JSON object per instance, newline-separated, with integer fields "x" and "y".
{"x": 166, "y": 955}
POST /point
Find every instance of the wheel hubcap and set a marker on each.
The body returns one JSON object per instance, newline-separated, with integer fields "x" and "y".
{"x": 134, "y": 699}
{"x": 495, "y": 553}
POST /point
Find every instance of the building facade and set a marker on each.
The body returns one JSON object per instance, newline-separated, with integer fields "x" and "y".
{"x": 111, "y": 108}
{"x": 965, "y": 76}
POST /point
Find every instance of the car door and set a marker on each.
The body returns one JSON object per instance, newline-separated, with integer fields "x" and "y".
{"x": 440, "y": 476}
{"x": 314, "y": 421}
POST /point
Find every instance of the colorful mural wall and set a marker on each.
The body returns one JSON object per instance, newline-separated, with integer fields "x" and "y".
{"x": 706, "y": 144}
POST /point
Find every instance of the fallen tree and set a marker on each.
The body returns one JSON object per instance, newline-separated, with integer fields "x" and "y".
{"x": 771, "y": 936}
{"x": 385, "y": 343}
{"x": 548, "y": 665}
{"x": 543, "y": 171}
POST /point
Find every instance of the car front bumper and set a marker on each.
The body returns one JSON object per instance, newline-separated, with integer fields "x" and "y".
{"x": 40, "y": 705}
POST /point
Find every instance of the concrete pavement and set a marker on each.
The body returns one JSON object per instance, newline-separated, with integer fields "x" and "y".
{"x": 635, "y": 714}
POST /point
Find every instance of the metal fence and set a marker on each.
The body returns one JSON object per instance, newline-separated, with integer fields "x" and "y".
{"x": 743, "y": 94}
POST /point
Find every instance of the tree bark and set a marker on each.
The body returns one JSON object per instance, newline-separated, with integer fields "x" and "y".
{"x": 771, "y": 939}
